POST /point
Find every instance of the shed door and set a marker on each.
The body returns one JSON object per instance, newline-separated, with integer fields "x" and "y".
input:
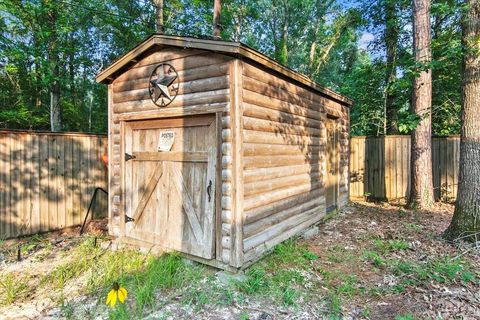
{"x": 332, "y": 165}
{"x": 170, "y": 194}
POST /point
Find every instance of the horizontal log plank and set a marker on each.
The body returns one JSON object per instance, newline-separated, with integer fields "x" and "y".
{"x": 261, "y": 100}
{"x": 259, "y": 112}
{"x": 198, "y": 98}
{"x": 256, "y": 214}
{"x": 270, "y": 138}
{"x": 262, "y": 186}
{"x": 288, "y": 232}
{"x": 179, "y": 65}
{"x": 276, "y": 195}
{"x": 279, "y": 161}
{"x": 173, "y": 112}
{"x": 207, "y": 84}
{"x": 284, "y": 129}
{"x": 202, "y": 72}
{"x": 253, "y": 149}
{"x": 259, "y": 174}
{"x": 280, "y": 228}
{"x": 257, "y": 227}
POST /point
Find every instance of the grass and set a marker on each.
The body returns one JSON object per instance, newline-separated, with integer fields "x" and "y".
{"x": 281, "y": 274}
{"x": 11, "y": 288}
{"x": 387, "y": 246}
{"x": 442, "y": 270}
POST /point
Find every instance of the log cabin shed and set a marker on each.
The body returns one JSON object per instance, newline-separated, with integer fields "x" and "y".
{"x": 219, "y": 152}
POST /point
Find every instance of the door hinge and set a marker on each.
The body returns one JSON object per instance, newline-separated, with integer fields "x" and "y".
{"x": 129, "y": 156}
{"x": 128, "y": 219}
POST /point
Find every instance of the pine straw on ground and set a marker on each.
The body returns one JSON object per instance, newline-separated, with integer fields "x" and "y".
{"x": 371, "y": 261}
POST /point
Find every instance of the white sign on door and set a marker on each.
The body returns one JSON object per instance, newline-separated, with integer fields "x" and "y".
{"x": 165, "y": 142}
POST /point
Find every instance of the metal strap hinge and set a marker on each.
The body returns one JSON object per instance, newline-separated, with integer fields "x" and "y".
{"x": 129, "y": 157}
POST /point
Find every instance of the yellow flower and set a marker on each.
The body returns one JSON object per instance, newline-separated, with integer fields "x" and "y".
{"x": 117, "y": 292}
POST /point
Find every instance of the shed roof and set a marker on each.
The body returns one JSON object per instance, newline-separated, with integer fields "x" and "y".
{"x": 236, "y": 49}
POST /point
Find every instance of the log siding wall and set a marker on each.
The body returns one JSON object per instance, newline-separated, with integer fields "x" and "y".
{"x": 284, "y": 137}
{"x": 48, "y": 179}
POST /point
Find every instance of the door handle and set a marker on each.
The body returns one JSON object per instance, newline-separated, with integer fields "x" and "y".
{"x": 209, "y": 190}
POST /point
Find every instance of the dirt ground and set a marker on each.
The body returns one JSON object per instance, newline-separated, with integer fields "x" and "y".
{"x": 371, "y": 261}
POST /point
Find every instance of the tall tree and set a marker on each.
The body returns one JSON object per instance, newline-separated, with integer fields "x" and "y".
{"x": 158, "y": 4}
{"x": 421, "y": 192}
{"x": 217, "y": 9}
{"x": 53, "y": 63}
{"x": 466, "y": 218}
{"x": 391, "y": 45}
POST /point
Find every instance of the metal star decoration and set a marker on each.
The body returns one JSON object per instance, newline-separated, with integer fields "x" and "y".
{"x": 163, "y": 84}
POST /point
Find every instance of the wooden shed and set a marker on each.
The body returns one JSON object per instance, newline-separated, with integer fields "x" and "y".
{"x": 219, "y": 152}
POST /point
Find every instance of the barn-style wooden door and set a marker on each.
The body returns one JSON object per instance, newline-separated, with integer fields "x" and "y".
{"x": 170, "y": 190}
{"x": 332, "y": 165}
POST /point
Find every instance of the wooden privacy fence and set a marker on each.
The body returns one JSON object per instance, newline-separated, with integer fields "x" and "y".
{"x": 47, "y": 180}
{"x": 380, "y": 167}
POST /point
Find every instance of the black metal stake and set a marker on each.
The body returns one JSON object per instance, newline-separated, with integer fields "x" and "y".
{"x": 90, "y": 207}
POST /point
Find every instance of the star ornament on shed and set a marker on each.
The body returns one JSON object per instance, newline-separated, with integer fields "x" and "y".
{"x": 163, "y": 84}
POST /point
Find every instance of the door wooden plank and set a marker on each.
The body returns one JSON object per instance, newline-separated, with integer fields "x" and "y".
{"x": 152, "y": 183}
{"x": 179, "y": 184}
{"x": 197, "y": 156}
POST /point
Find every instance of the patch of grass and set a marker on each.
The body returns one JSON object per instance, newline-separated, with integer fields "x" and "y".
{"x": 348, "y": 286}
{"x": 33, "y": 242}
{"x": 410, "y": 226}
{"x": 442, "y": 270}
{"x": 405, "y": 317}
{"x": 386, "y": 246}
{"x": 373, "y": 257}
{"x": 338, "y": 254}
{"x": 256, "y": 281}
{"x": 291, "y": 253}
{"x": 11, "y": 288}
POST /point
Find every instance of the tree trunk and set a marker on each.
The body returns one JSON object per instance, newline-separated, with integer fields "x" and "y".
{"x": 53, "y": 59}
{"x": 217, "y": 8}
{"x": 158, "y": 4}
{"x": 421, "y": 193}
{"x": 466, "y": 219}
{"x": 391, "y": 43}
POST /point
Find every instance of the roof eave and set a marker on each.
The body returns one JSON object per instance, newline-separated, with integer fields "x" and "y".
{"x": 231, "y": 48}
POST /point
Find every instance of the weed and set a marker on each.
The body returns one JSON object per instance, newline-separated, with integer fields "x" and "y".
{"x": 338, "y": 254}
{"x": 468, "y": 277}
{"x": 291, "y": 253}
{"x": 11, "y": 289}
{"x": 255, "y": 281}
{"x": 366, "y": 312}
{"x": 335, "y": 303}
{"x": 66, "y": 310}
{"x": 442, "y": 270}
{"x": 390, "y": 245}
{"x": 413, "y": 227}
{"x": 348, "y": 286}
{"x": 244, "y": 316}
{"x": 402, "y": 213}
{"x": 119, "y": 313}
{"x": 405, "y": 317}
{"x": 373, "y": 257}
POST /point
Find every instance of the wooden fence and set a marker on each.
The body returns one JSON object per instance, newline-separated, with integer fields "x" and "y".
{"x": 47, "y": 180}
{"x": 380, "y": 167}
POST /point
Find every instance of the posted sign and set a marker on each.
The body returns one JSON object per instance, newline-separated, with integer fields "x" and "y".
{"x": 165, "y": 142}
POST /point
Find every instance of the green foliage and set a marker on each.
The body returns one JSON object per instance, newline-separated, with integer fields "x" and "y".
{"x": 442, "y": 270}
{"x": 46, "y": 42}
{"x": 11, "y": 288}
